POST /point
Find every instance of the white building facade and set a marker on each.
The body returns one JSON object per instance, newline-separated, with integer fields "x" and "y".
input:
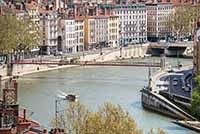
{"x": 79, "y": 34}
{"x": 133, "y": 23}
{"x": 101, "y": 32}
{"x": 72, "y": 35}
{"x": 68, "y": 35}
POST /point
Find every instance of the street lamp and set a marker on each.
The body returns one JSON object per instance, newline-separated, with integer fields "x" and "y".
{"x": 101, "y": 51}
{"x": 64, "y": 97}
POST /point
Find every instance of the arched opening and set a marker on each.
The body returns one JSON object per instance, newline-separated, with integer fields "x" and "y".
{"x": 59, "y": 39}
{"x": 77, "y": 49}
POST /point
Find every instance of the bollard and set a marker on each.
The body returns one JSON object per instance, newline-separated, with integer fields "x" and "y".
{"x": 24, "y": 115}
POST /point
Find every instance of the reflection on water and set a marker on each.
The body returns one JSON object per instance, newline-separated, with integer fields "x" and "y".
{"x": 95, "y": 86}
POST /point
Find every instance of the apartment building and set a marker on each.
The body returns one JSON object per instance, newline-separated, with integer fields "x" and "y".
{"x": 133, "y": 23}
{"x": 89, "y": 33}
{"x": 113, "y": 31}
{"x": 79, "y": 34}
{"x": 49, "y": 28}
{"x": 30, "y": 11}
{"x": 68, "y": 35}
{"x": 158, "y": 16}
{"x": 72, "y": 35}
{"x": 101, "y": 31}
{"x": 33, "y": 12}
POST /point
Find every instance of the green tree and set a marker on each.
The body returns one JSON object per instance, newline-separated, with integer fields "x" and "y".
{"x": 17, "y": 34}
{"x": 182, "y": 20}
{"x": 108, "y": 119}
{"x": 193, "y": 12}
{"x": 195, "y": 109}
{"x": 178, "y": 22}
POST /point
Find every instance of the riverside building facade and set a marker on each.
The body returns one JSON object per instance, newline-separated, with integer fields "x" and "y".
{"x": 49, "y": 28}
{"x": 89, "y": 32}
{"x": 72, "y": 35}
{"x": 79, "y": 34}
{"x": 68, "y": 35}
{"x": 158, "y": 16}
{"x": 113, "y": 31}
{"x": 133, "y": 23}
{"x": 101, "y": 31}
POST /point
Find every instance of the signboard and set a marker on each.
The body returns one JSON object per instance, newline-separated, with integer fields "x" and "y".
{"x": 3, "y": 59}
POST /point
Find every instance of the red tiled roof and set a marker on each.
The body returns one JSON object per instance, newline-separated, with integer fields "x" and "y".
{"x": 33, "y": 123}
{"x": 93, "y": 17}
{"x": 31, "y": 5}
{"x": 31, "y": 132}
{"x": 42, "y": 10}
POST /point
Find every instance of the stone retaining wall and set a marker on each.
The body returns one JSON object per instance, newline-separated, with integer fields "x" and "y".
{"x": 133, "y": 51}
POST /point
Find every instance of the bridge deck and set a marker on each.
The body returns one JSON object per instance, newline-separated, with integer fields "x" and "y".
{"x": 136, "y": 64}
{"x": 171, "y": 45}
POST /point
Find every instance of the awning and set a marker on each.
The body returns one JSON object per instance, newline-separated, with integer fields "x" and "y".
{"x": 35, "y": 50}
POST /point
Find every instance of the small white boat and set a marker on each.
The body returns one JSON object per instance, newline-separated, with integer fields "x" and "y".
{"x": 70, "y": 97}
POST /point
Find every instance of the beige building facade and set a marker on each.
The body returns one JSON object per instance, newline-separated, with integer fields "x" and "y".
{"x": 49, "y": 29}
{"x": 158, "y": 16}
{"x": 113, "y": 31}
{"x": 101, "y": 31}
{"x": 89, "y": 32}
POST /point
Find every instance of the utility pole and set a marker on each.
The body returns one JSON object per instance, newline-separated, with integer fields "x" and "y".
{"x": 149, "y": 77}
{"x": 67, "y": 97}
{"x": 163, "y": 62}
{"x": 178, "y": 61}
{"x": 170, "y": 85}
{"x": 56, "y": 113}
{"x": 196, "y": 54}
{"x": 9, "y": 64}
{"x": 0, "y": 83}
{"x": 120, "y": 51}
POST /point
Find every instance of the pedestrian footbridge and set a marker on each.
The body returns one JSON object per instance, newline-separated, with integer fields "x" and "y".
{"x": 87, "y": 63}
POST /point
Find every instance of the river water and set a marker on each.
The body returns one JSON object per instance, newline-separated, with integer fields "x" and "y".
{"x": 95, "y": 86}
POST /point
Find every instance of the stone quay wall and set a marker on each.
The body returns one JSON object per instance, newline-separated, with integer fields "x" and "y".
{"x": 133, "y": 51}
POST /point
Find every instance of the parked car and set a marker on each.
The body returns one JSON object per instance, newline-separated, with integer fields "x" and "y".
{"x": 58, "y": 54}
{"x": 162, "y": 41}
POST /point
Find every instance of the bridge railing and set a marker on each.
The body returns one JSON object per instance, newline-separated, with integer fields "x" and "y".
{"x": 114, "y": 63}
